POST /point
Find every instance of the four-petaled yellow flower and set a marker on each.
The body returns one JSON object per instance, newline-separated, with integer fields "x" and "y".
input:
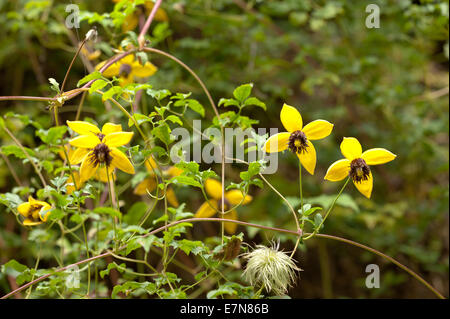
{"x": 98, "y": 149}
{"x": 356, "y": 164}
{"x": 35, "y": 211}
{"x": 149, "y": 184}
{"x": 143, "y": 10}
{"x": 298, "y": 138}
{"x": 127, "y": 69}
{"x": 232, "y": 197}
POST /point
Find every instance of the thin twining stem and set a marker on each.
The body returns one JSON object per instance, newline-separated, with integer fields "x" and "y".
{"x": 141, "y": 37}
{"x": 328, "y": 212}
{"x": 211, "y": 219}
{"x": 38, "y": 172}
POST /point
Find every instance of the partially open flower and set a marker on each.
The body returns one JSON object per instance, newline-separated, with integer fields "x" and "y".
{"x": 270, "y": 268}
{"x": 35, "y": 211}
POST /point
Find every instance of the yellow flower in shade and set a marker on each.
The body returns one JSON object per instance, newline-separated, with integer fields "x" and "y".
{"x": 127, "y": 69}
{"x": 149, "y": 184}
{"x": 232, "y": 198}
{"x": 90, "y": 55}
{"x": 35, "y": 211}
{"x": 98, "y": 149}
{"x": 356, "y": 164}
{"x": 132, "y": 20}
{"x": 298, "y": 138}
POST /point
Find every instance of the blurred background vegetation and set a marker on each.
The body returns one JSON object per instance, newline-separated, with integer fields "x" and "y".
{"x": 387, "y": 86}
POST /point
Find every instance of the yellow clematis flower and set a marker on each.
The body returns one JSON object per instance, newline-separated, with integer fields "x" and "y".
{"x": 127, "y": 69}
{"x": 98, "y": 149}
{"x": 356, "y": 164}
{"x": 35, "y": 211}
{"x": 70, "y": 184}
{"x": 232, "y": 197}
{"x": 132, "y": 20}
{"x": 149, "y": 184}
{"x": 298, "y": 138}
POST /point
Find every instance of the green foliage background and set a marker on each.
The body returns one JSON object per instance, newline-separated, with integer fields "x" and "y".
{"x": 388, "y": 87}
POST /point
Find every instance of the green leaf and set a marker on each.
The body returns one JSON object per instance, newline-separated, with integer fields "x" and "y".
{"x": 189, "y": 246}
{"x": 113, "y": 265}
{"x": 97, "y": 85}
{"x": 228, "y": 102}
{"x": 53, "y": 135}
{"x": 185, "y": 180}
{"x": 54, "y": 85}
{"x": 162, "y": 132}
{"x": 241, "y": 93}
{"x": 256, "y": 102}
{"x": 16, "y": 151}
{"x": 92, "y": 76}
{"x": 174, "y": 119}
{"x": 108, "y": 211}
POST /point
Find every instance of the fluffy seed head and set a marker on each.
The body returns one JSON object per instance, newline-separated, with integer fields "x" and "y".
{"x": 271, "y": 268}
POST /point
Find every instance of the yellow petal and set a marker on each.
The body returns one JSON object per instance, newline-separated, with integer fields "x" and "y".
{"x": 317, "y": 129}
{"x": 78, "y": 155}
{"x": 230, "y": 228}
{"x": 160, "y": 15}
{"x": 83, "y": 128}
{"x": 24, "y": 209}
{"x": 351, "y": 148}
{"x": 173, "y": 171}
{"x": 87, "y": 168}
{"x": 111, "y": 128}
{"x": 130, "y": 23}
{"x": 45, "y": 212}
{"x": 213, "y": 188}
{"x": 148, "y": 184}
{"x": 70, "y": 184}
{"x": 171, "y": 197}
{"x": 205, "y": 210}
{"x": 124, "y": 81}
{"x": 102, "y": 176}
{"x": 29, "y": 222}
{"x": 377, "y": 156}
{"x": 308, "y": 158}
{"x": 235, "y": 196}
{"x": 85, "y": 141}
{"x": 151, "y": 165}
{"x": 112, "y": 70}
{"x": 143, "y": 71}
{"x": 365, "y": 187}
{"x": 117, "y": 138}
{"x": 291, "y": 118}
{"x": 338, "y": 170}
{"x": 121, "y": 161}
{"x": 277, "y": 142}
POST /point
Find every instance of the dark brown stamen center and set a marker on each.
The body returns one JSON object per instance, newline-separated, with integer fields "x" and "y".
{"x": 101, "y": 155}
{"x": 125, "y": 70}
{"x": 359, "y": 170}
{"x": 227, "y": 204}
{"x": 298, "y": 143}
{"x": 100, "y": 136}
